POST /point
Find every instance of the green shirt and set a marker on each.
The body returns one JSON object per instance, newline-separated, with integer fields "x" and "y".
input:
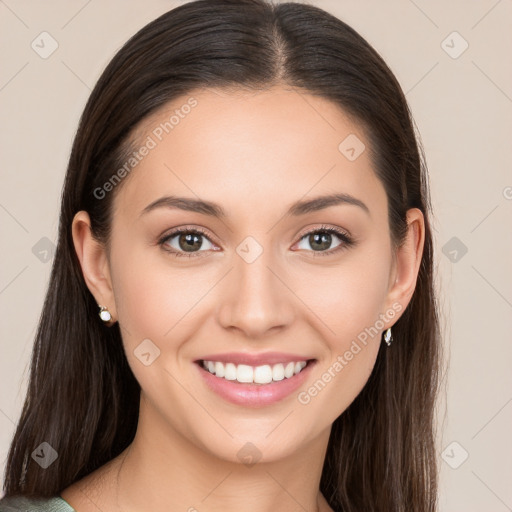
{"x": 24, "y": 504}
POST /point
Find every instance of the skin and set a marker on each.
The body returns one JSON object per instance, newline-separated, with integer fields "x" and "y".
{"x": 254, "y": 153}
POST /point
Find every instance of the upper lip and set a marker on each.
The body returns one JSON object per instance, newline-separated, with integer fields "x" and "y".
{"x": 269, "y": 358}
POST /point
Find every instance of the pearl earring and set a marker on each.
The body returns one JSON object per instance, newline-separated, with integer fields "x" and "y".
{"x": 105, "y": 314}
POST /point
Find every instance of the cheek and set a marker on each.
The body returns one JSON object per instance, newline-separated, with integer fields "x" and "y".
{"x": 347, "y": 297}
{"x": 157, "y": 304}
{"x": 156, "y": 299}
{"x": 348, "y": 306}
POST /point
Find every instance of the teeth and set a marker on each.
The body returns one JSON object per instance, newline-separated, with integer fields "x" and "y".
{"x": 278, "y": 372}
{"x": 289, "y": 370}
{"x": 263, "y": 374}
{"x": 229, "y": 371}
{"x": 258, "y": 374}
{"x": 244, "y": 373}
{"x": 219, "y": 370}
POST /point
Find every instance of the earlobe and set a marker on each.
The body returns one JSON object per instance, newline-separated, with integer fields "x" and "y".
{"x": 93, "y": 261}
{"x": 408, "y": 260}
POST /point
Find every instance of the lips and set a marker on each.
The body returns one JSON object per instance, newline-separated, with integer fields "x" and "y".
{"x": 254, "y": 380}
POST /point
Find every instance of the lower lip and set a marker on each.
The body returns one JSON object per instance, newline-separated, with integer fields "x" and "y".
{"x": 254, "y": 395}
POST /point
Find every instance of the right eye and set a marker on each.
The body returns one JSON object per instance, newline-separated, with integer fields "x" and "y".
{"x": 184, "y": 241}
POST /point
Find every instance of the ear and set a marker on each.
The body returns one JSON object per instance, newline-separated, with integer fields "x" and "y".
{"x": 407, "y": 262}
{"x": 94, "y": 263}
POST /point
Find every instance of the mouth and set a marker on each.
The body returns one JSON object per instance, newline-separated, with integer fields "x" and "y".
{"x": 254, "y": 385}
{"x": 247, "y": 374}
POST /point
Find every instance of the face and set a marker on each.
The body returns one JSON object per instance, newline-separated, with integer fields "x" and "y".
{"x": 262, "y": 274}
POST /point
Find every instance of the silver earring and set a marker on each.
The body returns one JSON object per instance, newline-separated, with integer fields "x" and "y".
{"x": 388, "y": 338}
{"x": 105, "y": 314}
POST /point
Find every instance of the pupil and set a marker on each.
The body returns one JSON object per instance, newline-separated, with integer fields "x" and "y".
{"x": 188, "y": 242}
{"x": 323, "y": 240}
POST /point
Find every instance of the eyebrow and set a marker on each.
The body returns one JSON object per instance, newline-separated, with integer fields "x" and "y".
{"x": 215, "y": 210}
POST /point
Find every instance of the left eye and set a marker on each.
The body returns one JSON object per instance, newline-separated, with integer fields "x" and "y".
{"x": 320, "y": 240}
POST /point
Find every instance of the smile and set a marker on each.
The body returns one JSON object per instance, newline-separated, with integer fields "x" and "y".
{"x": 259, "y": 375}
{"x": 256, "y": 384}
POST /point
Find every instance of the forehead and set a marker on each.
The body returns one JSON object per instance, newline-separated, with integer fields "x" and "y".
{"x": 249, "y": 151}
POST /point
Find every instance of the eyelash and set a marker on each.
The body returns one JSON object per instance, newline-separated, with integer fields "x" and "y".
{"x": 347, "y": 240}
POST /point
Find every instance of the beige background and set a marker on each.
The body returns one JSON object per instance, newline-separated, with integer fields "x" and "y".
{"x": 463, "y": 109}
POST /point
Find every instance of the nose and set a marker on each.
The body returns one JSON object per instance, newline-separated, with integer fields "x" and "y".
{"x": 256, "y": 299}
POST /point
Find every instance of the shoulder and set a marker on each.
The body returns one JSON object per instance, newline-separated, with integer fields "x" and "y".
{"x": 26, "y": 504}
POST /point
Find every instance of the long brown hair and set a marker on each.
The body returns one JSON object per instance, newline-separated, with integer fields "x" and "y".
{"x": 82, "y": 397}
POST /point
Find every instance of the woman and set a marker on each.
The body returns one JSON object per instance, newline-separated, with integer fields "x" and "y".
{"x": 241, "y": 311}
